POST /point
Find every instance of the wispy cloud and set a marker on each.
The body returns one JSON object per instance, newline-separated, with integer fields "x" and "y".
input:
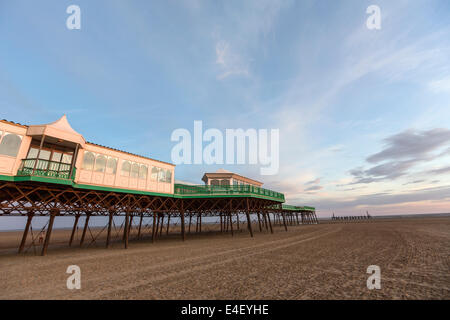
{"x": 230, "y": 63}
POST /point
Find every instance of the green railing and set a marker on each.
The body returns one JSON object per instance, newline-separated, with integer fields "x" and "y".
{"x": 297, "y": 208}
{"x": 204, "y": 190}
{"x": 45, "y": 168}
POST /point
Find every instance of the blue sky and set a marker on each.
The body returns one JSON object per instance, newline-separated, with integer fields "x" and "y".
{"x": 339, "y": 92}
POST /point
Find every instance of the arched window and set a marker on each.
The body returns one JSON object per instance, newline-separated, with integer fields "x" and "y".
{"x": 168, "y": 176}
{"x": 135, "y": 170}
{"x": 100, "y": 163}
{"x": 10, "y": 144}
{"x": 111, "y": 166}
{"x": 88, "y": 161}
{"x": 143, "y": 172}
{"x": 161, "y": 175}
{"x": 126, "y": 168}
{"x": 225, "y": 182}
{"x": 154, "y": 175}
{"x": 215, "y": 182}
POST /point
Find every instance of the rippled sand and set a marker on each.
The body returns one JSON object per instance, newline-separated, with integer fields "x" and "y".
{"x": 326, "y": 261}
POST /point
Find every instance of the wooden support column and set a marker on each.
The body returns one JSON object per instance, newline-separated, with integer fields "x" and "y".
{"x": 53, "y": 214}
{"x": 130, "y": 225}
{"x": 265, "y": 219}
{"x": 200, "y": 222}
{"x": 25, "y": 232}
{"x": 158, "y": 219}
{"x": 296, "y": 215}
{"x": 168, "y": 224}
{"x": 154, "y": 226}
{"x": 259, "y": 221}
{"x": 126, "y": 229}
{"x": 110, "y": 222}
{"x": 227, "y": 224}
{"x": 86, "y": 223}
{"x": 237, "y": 220}
{"x": 162, "y": 224}
{"x": 183, "y": 233}
{"x": 140, "y": 225}
{"x": 221, "y": 223}
{"x": 74, "y": 229}
{"x": 284, "y": 219}
{"x": 270, "y": 223}
{"x": 231, "y": 223}
{"x": 190, "y": 220}
{"x": 249, "y": 223}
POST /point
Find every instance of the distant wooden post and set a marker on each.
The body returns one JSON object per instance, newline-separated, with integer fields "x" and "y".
{"x": 221, "y": 225}
{"x": 53, "y": 214}
{"x": 75, "y": 225}
{"x": 25, "y": 232}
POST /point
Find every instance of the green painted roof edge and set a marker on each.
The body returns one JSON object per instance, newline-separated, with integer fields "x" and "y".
{"x": 132, "y": 191}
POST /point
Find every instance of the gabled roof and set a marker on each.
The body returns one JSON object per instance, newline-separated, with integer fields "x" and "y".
{"x": 63, "y": 124}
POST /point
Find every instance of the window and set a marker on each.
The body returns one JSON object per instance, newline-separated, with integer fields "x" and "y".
{"x": 143, "y": 172}
{"x": 32, "y": 153}
{"x": 126, "y": 168}
{"x": 10, "y": 144}
{"x": 111, "y": 166}
{"x": 161, "y": 175}
{"x": 66, "y": 158}
{"x": 154, "y": 175}
{"x": 100, "y": 163}
{"x": 225, "y": 182}
{"x": 168, "y": 176}
{"x": 56, "y": 156}
{"x": 45, "y": 154}
{"x": 235, "y": 183}
{"x": 135, "y": 170}
{"x": 215, "y": 182}
{"x": 88, "y": 160}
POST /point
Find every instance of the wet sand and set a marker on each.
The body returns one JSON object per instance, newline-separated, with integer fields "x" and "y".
{"x": 325, "y": 261}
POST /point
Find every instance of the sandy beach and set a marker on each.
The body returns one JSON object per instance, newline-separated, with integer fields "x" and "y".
{"x": 325, "y": 261}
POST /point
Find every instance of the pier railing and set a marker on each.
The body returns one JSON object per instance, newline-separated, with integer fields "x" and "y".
{"x": 45, "y": 168}
{"x": 205, "y": 190}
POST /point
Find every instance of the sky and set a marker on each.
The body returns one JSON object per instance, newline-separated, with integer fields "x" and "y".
{"x": 363, "y": 115}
